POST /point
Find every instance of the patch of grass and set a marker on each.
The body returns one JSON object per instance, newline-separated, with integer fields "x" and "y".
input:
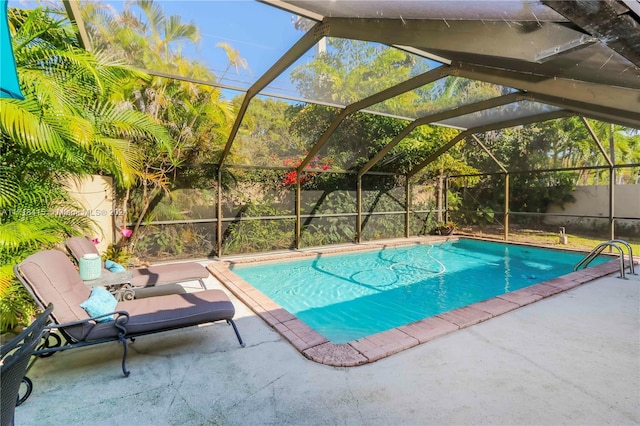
{"x": 545, "y": 238}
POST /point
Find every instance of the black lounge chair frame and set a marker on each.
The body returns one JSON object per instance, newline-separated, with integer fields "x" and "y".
{"x": 15, "y": 356}
{"x": 119, "y": 329}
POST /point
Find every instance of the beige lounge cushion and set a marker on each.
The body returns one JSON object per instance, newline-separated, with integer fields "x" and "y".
{"x": 168, "y": 274}
{"x": 170, "y": 311}
{"x": 53, "y": 278}
{"x": 145, "y": 276}
{"x": 158, "y": 290}
{"x": 79, "y": 246}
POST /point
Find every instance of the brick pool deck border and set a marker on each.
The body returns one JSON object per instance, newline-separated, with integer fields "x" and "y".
{"x": 380, "y": 345}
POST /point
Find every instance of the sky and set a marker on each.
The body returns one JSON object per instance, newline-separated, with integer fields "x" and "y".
{"x": 260, "y": 33}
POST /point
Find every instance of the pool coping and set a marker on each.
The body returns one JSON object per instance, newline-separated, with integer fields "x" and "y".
{"x": 372, "y": 348}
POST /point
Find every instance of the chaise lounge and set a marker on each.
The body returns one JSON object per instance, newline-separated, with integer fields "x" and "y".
{"x": 147, "y": 281}
{"x": 51, "y": 277}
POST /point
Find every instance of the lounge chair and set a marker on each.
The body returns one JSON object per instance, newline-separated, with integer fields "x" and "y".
{"x": 145, "y": 279}
{"x": 51, "y": 277}
{"x": 14, "y": 360}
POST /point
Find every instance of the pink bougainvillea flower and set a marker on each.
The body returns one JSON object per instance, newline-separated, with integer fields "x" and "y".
{"x": 95, "y": 241}
{"x": 126, "y": 232}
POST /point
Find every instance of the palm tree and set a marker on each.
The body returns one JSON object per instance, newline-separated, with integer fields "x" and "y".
{"x": 195, "y": 115}
{"x": 622, "y": 145}
{"x": 67, "y": 125}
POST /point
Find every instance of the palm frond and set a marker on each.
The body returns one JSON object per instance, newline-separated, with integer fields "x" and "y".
{"x": 21, "y": 121}
{"x": 16, "y": 304}
{"x": 120, "y": 157}
{"x": 175, "y": 30}
{"x": 14, "y": 235}
{"x": 132, "y": 124}
{"x": 114, "y": 71}
{"x": 45, "y": 90}
{"x": 9, "y": 191}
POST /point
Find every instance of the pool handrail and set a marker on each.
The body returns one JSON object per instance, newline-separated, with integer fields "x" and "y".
{"x": 630, "y": 250}
{"x": 600, "y": 247}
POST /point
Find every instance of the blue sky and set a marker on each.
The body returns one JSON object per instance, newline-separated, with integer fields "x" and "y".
{"x": 261, "y": 33}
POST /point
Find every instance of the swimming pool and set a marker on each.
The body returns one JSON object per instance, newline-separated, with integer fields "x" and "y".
{"x": 352, "y": 295}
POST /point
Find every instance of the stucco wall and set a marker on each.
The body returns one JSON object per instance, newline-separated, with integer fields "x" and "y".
{"x": 95, "y": 194}
{"x": 593, "y": 200}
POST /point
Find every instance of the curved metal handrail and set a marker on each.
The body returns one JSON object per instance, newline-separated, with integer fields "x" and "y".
{"x": 596, "y": 251}
{"x": 630, "y": 250}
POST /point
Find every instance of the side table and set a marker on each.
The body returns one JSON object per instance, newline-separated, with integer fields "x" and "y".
{"x": 118, "y": 284}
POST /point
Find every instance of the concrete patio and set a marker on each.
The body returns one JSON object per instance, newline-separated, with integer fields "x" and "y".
{"x": 573, "y": 358}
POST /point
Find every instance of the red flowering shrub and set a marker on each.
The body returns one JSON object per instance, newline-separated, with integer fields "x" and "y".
{"x": 291, "y": 177}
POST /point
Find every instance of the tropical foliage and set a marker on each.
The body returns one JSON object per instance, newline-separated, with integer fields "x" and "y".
{"x": 196, "y": 116}
{"x": 116, "y": 111}
{"x": 67, "y": 126}
{"x": 557, "y": 144}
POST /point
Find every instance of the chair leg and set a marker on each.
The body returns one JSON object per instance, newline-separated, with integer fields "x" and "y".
{"x": 47, "y": 343}
{"x": 124, "y": 356}
{"x": 29, "y": 387}
{"x": 233, "y": 324}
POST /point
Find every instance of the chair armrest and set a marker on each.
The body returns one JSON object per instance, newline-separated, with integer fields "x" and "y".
{"x": 46, "y": 350}
{"x": 122, "y": 317}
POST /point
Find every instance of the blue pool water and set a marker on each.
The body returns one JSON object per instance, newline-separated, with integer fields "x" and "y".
{"x": 348, "y": 296}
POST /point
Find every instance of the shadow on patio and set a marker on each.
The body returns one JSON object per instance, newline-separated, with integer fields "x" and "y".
{"x": 572, "y": 358}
